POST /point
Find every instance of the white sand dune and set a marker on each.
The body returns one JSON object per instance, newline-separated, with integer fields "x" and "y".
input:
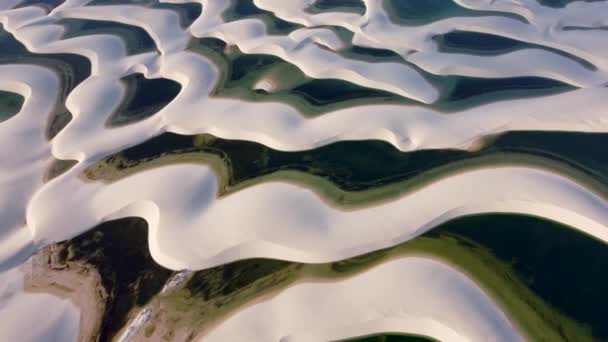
{"x": 297, "y": 48}
{"x": 191, "y": 228}
{"x": 162, "y": 25}
{"x": 34, "y": 317}
{"x": 26, "y": 152}
{"x": 278, "y": 125}
{"x": 8, "y": 4}
{"x": 296, "y": 11}
{"x": 375, "y": 29}
{"x": 411, "y": 295}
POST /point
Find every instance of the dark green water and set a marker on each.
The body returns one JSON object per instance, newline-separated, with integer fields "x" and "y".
{"x": 321, "y": 92}
{"x": 71, "y": 68}
{"x": 10, "y": 104}
{"x": 478, "y": 43}
{"x": 49, "y": 5}
{"x": 390, "y": 338}
{"x": 361, "y": 165}
{"x": 562, "y": 3}
{"x": 377, "y": 55}
{"x": 584, "y": 28}
{"x": 415, "y": 12}
{"x": 472, "y": 88}
{"x": 136, "y": 39}
{"x": 145, "y": 98}
{"x": 317, "y": 92}
{"x": 561, "y": 265}
{"x": 246, "y": 8}
{"x": 188, "y": 12}
{"x": 241, "y": 9}
{"x": 355, "y": 6}
{"x": 244, "y": 64}
{"x": 457, "y": 92}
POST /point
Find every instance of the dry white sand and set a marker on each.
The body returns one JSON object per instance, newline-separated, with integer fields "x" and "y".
{"x": 34, "y": 316}
{"x": 189, "y": 227}
{"x": 75, "y": 281}
{"x": 411, "y": 295}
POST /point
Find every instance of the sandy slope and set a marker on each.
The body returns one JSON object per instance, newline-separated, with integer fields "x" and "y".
{"x": 21, "y": 173}
{"x": 278, "y": 125}
{"x": 191, "y": 228}
{"x": 410, "y": 295}
{"x": 77, "y": 282}
{"x": 545, "y": 27}
{"x": 34, "y": 316}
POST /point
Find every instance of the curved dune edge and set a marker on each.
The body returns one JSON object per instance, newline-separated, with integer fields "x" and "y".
{"x": 117, "y": 167}
{"x": 203, "y": 304}
{"x": 303, "y": 227}
{"x": 545, "y": 27}
{"x": 413, "y": 295}
{"x": 279, "y": 126}
{"x": 273, "y": 124}
{"x": 21, "y": 174}
{"x": 86, "y": 138}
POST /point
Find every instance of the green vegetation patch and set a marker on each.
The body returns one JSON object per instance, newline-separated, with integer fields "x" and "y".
{"x": 241, "y": 74}
{"x": 545, "y": 285}
{"x": 548, "y": 278}
{"x": 119, "y": 251}
{"x": 347, "y": 172}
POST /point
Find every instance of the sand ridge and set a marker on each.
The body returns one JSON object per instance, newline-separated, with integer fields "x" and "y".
{"x": 304, "y": 228}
